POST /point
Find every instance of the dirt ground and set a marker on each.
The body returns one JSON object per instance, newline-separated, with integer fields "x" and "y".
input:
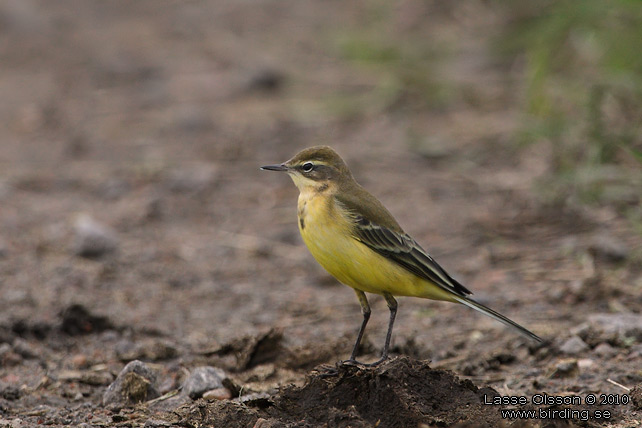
{"x": 135, "y": 224}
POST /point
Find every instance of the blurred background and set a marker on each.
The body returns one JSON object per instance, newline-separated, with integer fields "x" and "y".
{"x": 504, "y": 136}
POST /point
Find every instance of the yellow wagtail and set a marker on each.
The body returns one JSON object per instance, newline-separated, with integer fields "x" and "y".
{"x": 354, "y": 237}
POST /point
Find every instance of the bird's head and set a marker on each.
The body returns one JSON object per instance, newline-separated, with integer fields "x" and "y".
{"x": 318, "y": 167}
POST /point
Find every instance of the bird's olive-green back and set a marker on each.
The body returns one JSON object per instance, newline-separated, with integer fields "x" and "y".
{"x": 359, "y": 201}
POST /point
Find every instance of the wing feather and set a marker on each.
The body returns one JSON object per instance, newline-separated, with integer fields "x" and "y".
{"x": 405, "y": 251}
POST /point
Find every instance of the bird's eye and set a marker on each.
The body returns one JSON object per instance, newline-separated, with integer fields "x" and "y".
{"x": 307, "y": 167}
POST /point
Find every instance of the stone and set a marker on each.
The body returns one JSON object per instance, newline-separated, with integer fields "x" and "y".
{"x": 574, "y": 346}
{"x": 217, "y": 394}
{"x": 565, "y": 369}
{"x": 617, "y": 325}
{"x": 605, "y": 350}
{"x": 202, "y": 379}
{"x": 93, "y": 239}
{"x": 135, "y": 383}
{"x": 608, "y": 248}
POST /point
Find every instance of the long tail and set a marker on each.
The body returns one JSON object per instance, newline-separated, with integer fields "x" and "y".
{"x": 496, "y": 315}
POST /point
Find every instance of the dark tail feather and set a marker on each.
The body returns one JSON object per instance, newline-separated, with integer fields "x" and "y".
{"x": 496, "y": 315}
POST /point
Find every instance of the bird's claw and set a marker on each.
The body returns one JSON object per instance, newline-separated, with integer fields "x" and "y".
{"x": 353, "y": 362}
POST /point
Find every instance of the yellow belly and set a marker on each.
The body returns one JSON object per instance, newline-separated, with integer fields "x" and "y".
{"x": 326, "y": 233}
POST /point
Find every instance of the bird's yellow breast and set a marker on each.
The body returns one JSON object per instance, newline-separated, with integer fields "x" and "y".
{"x": 326, "y": 230}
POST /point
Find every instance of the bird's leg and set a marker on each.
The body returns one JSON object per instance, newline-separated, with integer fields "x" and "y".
{"x": 392, "y": 305}
{"x": 365, "y": 310}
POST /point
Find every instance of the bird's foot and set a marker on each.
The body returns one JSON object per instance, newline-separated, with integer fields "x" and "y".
{"x": 353, "y": 362}
{"x": 376, "y": 363}
{"x": 349, "y": 362}
{"x": 326, "y": 370}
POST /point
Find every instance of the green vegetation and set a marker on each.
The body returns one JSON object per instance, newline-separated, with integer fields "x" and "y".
{"x": 396, "y": 66}
{"x": 583, "y": 71}
{"x": 580, "y": 84}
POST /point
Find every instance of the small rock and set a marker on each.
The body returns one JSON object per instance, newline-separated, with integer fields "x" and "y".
{"x": 617, "y": 326}
{"x": 203, "y": 379}
{"x": 9, "y": 392}
{"x": 217, "y": 394}
{"x": 565, "y": 369}
{"x": 134, "y": 384}
{"x": 636, "y": 351}
{"x": 574, "y": 346}
{"x": 8, "y": 358}
{"x": 153, "y": 350}
{"x": 89, "y": 377}
{"x": 607, "y": 248}
{"x": 154, "y": 423}
{"x": 154, "y": 208}
{"x": 265, "y": 423}
{"x": 80, "y": 361}
{"x": 265, "y": 80}
{"x": 127, "y": 350}
{"x": 77, "y": 320}
{"x": 605, "y": 350}
{"x": 159, "y": 350}
{"x": 256, "y": 399}
{"x": 93, "y": 239}
{"x": 585, "y": 363}
{"x": 25, "y": 349}
{"x": 11, "y": 423}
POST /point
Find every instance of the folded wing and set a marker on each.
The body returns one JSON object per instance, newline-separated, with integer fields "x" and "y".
{"x": 403, "y": 250}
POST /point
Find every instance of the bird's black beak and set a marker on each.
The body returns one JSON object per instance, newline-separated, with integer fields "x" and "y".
{"x": 280, "y": 167}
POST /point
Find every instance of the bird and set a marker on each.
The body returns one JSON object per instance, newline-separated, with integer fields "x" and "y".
{"x": 354, "y": 237}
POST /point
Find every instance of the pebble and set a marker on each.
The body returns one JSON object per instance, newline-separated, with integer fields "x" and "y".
{"x": 585, "y": 363}
{"x": 202, "y": 379}
{"x": 265, "y": 423}
{"x": 154, "y": 423}
{"x": 605, "y": 350}
{"x": 135, "y": 383}
{"x": 622, "y": 324}
{"x": 565, "y": 369}
{"x": 153, "y": 350}
{"x": 608, "y": 248}
{"x": 77, "y": 320}
{"x": 217, "y": 394}
{"x": 8, "y": 357}
{"x": 90, "y": 377}
{"x": 265, "y": 80}
{"x": 93, "y": 239}
{"x": 127, "y": 350}
{"x": 159, "y": 350}
{"x": 9, "y": 392}
{"x": 80, "y": 361}
{"x": 636, "y": 351}
{"x": 11, "y": 423}
{"x": 26, "y": 349}
{"x": 574, "y": 346}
